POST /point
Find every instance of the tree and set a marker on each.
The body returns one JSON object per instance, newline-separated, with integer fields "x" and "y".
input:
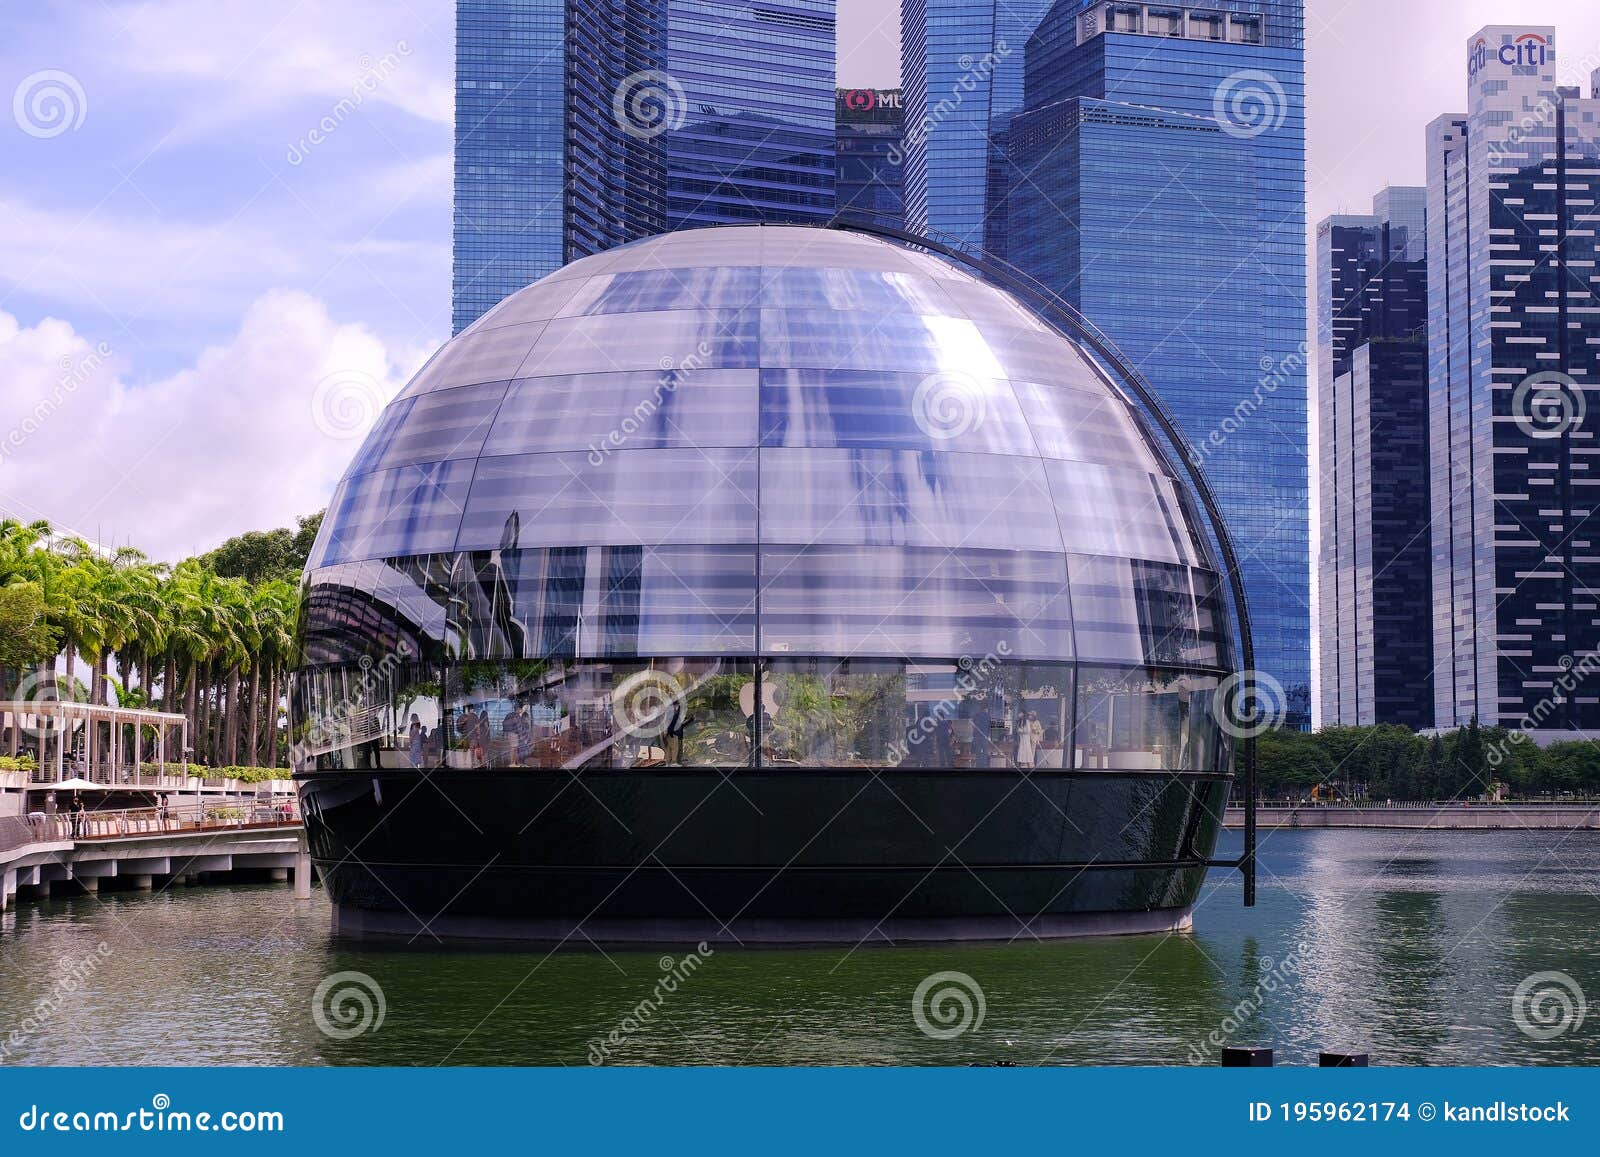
{"x": 26, "y": 639}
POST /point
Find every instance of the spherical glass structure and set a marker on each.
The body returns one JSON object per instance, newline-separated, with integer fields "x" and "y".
{"x": 794, "y": 502}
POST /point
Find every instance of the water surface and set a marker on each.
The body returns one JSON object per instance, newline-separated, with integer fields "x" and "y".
{"x": 1407, "y": 944}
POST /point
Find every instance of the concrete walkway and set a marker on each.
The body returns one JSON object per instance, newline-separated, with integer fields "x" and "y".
{"x": 82, "y": 864}
{"x": 1441, "y": 817}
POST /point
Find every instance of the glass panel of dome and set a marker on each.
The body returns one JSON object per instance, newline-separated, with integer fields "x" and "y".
{"x": 866, "y": 408}
{"x": 835, "y": 339}
{"x": 649, "y": 290}
{"x": 1105, "y": 611}
{"x": 853, "y": 289}
{"x": 1144, "y": 720}
{"x": 697, "y": 600}
{"x": 1213, "y": 642}
{"x": 685, "y": 250}
{"x": 1082, "y": 427}
{"x": 432, "y": 427}
{"x": 1037, "y": 356}
{"x": 603, "y": 413}
{"x": 908, "y": 601}
{"x": 539, "y": 302}
{"x": 626, "y": 600}
{"x": 979, "y": 302}
{"x": 492, "y": 355}
{"x": 706, "y": 339}
{"x": 1166, "y": 611}
{"x": 906, "y": 498}
{"x": 1110, "y": 510}
{"x": 408, "y": 510}
{"x": 632, "y": 496}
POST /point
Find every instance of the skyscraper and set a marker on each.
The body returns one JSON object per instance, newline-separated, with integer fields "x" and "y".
{"x": 961, "y": 65}
{"x": 1154, "y": 136}
{"x": 753, "y": 140}
{"x": 583, "y": 124}
{"x": 1372, "y": 398}
{"x": 870, "y": 144}
{"x": 1514, "y": 358}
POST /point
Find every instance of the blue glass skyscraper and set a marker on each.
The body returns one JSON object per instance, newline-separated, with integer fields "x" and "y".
{"x": 1158, "y": 173}
{"x": 961, "y": 64}
{"x": 754, "y": 140}
{"x": 584, "y": 124}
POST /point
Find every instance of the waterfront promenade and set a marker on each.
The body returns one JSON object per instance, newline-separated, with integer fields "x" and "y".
{"x": 136, "y": 848}
{"x": 1562, "y": 817}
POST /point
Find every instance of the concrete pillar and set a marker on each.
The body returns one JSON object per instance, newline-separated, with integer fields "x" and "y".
{"x": 302, "y": 876}
{"x": 42, "y": 889}
{"x": 8, "y": 885}
{"x": 191, "y": 880}
{"x": 143, "y": 883}
{"x": 278, "y": 875}
{"x": 90, "y": 884}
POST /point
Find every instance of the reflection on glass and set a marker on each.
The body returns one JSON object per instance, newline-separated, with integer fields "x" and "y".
{"x": 705, "y": 711}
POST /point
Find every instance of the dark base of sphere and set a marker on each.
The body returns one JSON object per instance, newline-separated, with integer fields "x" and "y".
{"x": 770, "y": 855}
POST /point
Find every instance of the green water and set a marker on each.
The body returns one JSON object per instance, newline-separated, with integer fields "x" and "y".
{"x": 1406, "y": 944}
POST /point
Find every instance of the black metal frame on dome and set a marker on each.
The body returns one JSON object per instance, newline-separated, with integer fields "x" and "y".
{"x": 1074, "y": 326}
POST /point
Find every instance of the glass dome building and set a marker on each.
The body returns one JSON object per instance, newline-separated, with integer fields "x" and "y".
{"x": 761, "y": 583}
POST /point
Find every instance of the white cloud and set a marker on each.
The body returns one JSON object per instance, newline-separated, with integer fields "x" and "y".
{"x": 256, "y": 431}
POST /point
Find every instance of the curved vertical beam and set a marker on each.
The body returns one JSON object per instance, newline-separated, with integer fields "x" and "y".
{"x": 1054, "y": 311}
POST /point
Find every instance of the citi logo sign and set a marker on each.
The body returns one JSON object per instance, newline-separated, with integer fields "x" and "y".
{"x": 1530, "y": 50}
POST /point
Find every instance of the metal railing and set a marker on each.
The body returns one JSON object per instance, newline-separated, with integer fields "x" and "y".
{"x": 207, "y": 815}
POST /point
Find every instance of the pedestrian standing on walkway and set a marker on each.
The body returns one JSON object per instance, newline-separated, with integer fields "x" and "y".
{"x": 77, "y": 815}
